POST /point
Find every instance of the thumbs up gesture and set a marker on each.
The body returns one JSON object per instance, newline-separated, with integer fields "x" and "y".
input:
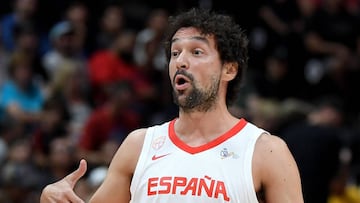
{"x": 62, "y": 190}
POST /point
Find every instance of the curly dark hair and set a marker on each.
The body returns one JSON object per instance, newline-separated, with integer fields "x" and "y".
{"x": 230, "y": 39}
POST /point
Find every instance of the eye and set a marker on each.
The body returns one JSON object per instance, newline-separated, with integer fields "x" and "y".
{"x": 174, "y": 53}
{"x": 197, "y": 52}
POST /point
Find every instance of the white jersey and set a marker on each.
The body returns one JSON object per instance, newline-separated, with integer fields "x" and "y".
{"x": 170, "y": 171}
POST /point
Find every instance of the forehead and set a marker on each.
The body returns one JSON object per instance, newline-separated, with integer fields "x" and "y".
{"x": 193, "y": 34}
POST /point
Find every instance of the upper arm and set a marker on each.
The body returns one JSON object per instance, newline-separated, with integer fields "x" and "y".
{"x": 276, "y": 171}
{"x": 116, "y": 186}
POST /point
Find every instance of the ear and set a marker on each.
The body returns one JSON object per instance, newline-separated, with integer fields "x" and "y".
{"x": 230, "y": 70}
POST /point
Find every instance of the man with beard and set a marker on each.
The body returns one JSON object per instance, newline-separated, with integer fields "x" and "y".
{"x": 206, "y": 154}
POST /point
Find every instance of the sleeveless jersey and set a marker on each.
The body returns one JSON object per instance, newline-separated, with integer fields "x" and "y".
{"x": 170, "y": 171}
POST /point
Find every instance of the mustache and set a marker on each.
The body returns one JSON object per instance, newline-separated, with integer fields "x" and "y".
{"x": 184, "y": 73}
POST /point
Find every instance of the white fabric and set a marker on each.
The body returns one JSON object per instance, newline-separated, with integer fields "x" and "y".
{"x": 219, "y": 171}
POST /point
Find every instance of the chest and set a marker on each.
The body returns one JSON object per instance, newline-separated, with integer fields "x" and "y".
{"x": 220, "y": 173}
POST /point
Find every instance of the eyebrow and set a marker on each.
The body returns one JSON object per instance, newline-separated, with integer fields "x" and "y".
{"x": 197, "y": 38}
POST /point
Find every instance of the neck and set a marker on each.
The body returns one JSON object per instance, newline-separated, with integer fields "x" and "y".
{"x": 204, "y": 125}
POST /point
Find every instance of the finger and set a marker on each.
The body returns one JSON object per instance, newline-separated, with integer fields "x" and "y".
{"x": 73, "y": 177}
{"x": 73, "y": 198}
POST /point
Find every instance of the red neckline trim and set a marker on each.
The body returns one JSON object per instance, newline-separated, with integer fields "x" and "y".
{"x": 193, "y": 150}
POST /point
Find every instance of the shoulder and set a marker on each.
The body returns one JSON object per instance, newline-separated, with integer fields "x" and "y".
{"x": 271, "y": 151}
{"x": 137, "y": 136}
{"x": 129, "y": 151}
{"x": 126, "y": 157}
{"x": 275, "y": 170}
{"x": 270, "y": 143}
{"x": 115, "y": 187}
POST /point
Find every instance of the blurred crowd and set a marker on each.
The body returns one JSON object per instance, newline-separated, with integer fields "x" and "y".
{"x": 77, "y": 76}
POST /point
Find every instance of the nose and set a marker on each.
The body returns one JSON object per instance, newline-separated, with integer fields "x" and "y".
{"x": 181, "y": 61}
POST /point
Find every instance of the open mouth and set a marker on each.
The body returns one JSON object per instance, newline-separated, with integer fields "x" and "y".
{"x": 181, "y": 82}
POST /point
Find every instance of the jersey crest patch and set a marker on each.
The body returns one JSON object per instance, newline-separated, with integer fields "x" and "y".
{"x": 226, "y": 154}
{"x": 158, "y": 142}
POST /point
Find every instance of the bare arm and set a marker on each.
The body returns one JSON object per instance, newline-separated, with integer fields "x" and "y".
{"x": 275, "y": 170}
{"x": 16, "y": 112}
{"x": 116, "y": 186}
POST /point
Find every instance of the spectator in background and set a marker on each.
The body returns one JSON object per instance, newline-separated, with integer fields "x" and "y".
{"x": 61, "y": 158}
{"x": 355, "y": 152}
{"x": 4, "y": 60}
{"x": 9, "y": 132}
{"x": 23, "y": 12}
{"x": 342, "y": 190}
{"x": 149, "y": 56}
{"x": 264, "y": 112}
{"x": 279, "y": 18}
{"x": 77, "y": 14}
{"x": 116, "y": 64}
{"x": 109, "y": 123}
{"x": 71, "y": 86}
{"x": 148, "y": 51}
{"x": 316, "y": 143}
{"x": 332, "y": 39}
{"x": 21, "y": 98}
{"x": 112, "y": 23}
{"x": 275, "y": 81}
{"x": 52, "y": 125}
{"x": 26, "y": 42}
{"x": 20, "y": 180}
{"x": 3, "y": 150}
{"x": 284, "y": 22}
{"x": 353, "y": 7}
{"x": 332, "y": 32}
{"x": 266, "y": 98}
{"x": 277, "y": 25}
{"x": 64, "y": 50}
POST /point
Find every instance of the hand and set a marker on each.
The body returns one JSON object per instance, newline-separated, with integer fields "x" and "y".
{"x": 62, "y": 190}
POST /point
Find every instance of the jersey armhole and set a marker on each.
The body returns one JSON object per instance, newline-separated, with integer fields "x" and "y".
{"x": 139, "y": 168}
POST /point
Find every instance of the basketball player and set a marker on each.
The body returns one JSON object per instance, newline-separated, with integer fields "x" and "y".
{"x": 206, "y": 154}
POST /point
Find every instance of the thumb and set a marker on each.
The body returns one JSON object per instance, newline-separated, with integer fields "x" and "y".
{"x": 73, "y": 177}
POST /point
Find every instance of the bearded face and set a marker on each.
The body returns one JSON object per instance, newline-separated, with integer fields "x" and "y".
{"x": 196, "y": 98}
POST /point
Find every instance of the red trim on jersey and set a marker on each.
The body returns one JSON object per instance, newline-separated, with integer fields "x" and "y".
{"x": 193, "y": 150}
